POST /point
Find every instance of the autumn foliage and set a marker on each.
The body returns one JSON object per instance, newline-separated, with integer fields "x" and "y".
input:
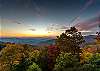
{"x": 65, "y": 55}
{"x": 53, "y": 52}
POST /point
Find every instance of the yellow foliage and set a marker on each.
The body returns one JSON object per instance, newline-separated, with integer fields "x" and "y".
{"x": 85, "y": 56}
{"x": 13, "y": 54}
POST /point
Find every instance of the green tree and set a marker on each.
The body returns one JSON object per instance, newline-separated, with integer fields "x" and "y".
{"x": 65, "y": 60}
{"x": 70, "y": 41}
{"x": 22, "y": 66}
{"x": 95, "y": 59}
{"x": 68, "y": 62}
{"x": 34, "y": 67}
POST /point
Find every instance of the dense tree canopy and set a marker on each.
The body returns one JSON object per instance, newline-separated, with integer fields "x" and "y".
{"x": 70, "y": 41}
{"x": 65, "y": 55}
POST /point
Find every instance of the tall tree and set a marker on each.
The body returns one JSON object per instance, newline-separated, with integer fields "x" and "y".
{"x": 70, "y": 41}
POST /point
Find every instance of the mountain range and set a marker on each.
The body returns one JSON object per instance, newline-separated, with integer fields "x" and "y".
{"x": 41, "y": 41}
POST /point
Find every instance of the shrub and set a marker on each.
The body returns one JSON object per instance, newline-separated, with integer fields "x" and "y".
{"x": 34, "y": 67}
{"x": 65, "y": 60}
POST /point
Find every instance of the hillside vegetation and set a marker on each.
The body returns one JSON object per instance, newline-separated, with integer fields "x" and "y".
{"x": 65, "y": 55}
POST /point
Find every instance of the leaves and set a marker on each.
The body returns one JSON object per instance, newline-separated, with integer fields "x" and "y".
{"x": 34, "y": 67}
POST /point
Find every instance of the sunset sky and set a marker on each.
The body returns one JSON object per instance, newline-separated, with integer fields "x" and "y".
{"x": 40, "y": 18}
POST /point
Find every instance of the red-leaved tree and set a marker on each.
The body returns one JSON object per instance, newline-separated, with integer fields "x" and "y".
{"x": 53, "y": 52}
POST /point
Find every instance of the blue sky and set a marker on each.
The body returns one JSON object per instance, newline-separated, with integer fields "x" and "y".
{"x": 48, "y": 16}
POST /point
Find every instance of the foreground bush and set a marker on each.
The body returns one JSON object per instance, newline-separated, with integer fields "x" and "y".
{"x": 69, "y": 62}
{"x": 16, "y": 57}
{"x": 34, "y": 67}
{"x": 65, "y": 60}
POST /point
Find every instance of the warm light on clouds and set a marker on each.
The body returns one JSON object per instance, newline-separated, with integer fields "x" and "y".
{"x": 29, "y": 33}
{"x": 37, "y": 18}
{"x": 88, "y": 32}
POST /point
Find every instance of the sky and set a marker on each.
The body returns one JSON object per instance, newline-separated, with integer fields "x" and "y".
{"x": 44, "y": 18}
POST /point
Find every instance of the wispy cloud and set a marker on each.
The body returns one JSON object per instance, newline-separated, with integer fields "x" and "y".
{"x": 32, "y": 29}
{"x": 81, "y": 11}
{"x": 88, "y": 32}
{"x": 89, "y": 24}
{"x": 2, "y": 21}
{"x": 56, "y": 27}
{"x": 40, "y": 11}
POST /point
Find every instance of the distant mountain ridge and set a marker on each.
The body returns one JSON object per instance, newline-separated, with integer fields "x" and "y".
{"x": 32, "y": 41}
{"x": 41, "y": 41}
{"x": 90, "y": 38}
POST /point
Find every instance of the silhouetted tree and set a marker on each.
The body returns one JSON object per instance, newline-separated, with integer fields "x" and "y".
{"x": 70, "y": 41}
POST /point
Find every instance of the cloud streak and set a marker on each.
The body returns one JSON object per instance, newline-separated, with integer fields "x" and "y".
{"x": 56, "y": 27}
{"x": 40, "y": 12}
{"x": 88, "y": 3}
{"x": 32, "y": 29}
{"x": 2, "y": 21}
{"x": 87, "y": 25}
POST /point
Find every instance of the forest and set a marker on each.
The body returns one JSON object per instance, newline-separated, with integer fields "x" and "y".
{"x": 69, "y": 53}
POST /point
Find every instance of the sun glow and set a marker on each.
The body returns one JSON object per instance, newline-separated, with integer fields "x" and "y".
{"x": 37, "y": 33}
{"x": 29, "y": 33}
